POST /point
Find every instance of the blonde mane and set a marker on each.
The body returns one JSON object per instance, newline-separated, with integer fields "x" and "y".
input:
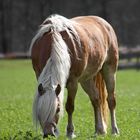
{"x": 57, "y": 23}
{"x": 56, "y": 70}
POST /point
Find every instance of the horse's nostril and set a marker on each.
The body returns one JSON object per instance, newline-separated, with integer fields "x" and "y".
{"x": 45, "y": 135}
{"x": 53, "y": 134}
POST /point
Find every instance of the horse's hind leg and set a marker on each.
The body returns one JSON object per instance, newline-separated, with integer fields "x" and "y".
{"x": 72, "y": 89}
{"x": 90, "y": 88}
{"x": 110, "y": 80}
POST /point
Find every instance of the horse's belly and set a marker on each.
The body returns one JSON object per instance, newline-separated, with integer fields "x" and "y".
{"x": 89, "y": 72}
{"x": 94, "y": 65}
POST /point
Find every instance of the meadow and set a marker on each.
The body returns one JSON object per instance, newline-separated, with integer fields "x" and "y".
{"x": 17, "y": 87}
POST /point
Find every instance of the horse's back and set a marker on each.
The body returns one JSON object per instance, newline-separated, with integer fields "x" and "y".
{"x": 98, "y": 29}
{"x": 99, "y": 42}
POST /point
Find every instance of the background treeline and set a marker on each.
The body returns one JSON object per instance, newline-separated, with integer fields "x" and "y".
{"x": 19, "y": 19}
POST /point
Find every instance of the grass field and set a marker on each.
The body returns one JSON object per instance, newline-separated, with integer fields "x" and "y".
{"x": 17, "y": 86}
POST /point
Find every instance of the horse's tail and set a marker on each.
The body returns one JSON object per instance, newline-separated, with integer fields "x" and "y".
{"x": 100, "y": 84}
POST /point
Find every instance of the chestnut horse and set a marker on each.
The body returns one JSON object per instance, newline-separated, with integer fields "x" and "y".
{"x": 67, "y": 51}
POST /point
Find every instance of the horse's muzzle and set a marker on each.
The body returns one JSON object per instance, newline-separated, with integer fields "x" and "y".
{"x": 46, "y": 135}
{"x": 51, "y": 130}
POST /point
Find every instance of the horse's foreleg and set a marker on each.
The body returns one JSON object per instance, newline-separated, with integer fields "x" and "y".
{"x": 91, "y": 90}
{"x": 110, "y": 80}
{"x": 72, "y": 89}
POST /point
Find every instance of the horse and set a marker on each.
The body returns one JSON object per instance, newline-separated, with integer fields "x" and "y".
{"x": 66, "y": 52}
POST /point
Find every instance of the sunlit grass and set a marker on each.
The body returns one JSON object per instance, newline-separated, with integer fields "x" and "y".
{"x": 17, "y": 86}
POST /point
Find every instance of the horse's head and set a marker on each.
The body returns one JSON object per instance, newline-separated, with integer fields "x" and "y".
{"x": 49, "y": 109}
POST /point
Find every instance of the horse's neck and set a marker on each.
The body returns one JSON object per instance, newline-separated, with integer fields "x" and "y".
{"x": 59, "y": 63}
{"x": 50, "y": 76}
{"x": 56, "y": 70}
{"x": 60, "y": 59}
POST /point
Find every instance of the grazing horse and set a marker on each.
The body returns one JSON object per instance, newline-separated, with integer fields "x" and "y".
{"x": 67, "y": 51}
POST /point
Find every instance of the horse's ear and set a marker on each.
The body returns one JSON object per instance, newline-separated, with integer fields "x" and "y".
{"x": 57, "y": 90}
{"x": 41, "y": 89}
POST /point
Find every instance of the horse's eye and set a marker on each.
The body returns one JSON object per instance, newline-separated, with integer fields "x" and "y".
{"x": 41, "y": 89}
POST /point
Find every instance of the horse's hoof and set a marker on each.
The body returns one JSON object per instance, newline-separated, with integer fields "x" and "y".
{"x": 71, "y": 135}
{"x": 115, "y": 131}
{"x": 100, "y": 132}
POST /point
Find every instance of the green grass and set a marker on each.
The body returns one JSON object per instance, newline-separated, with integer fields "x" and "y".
{"x": 17, "y": 86}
